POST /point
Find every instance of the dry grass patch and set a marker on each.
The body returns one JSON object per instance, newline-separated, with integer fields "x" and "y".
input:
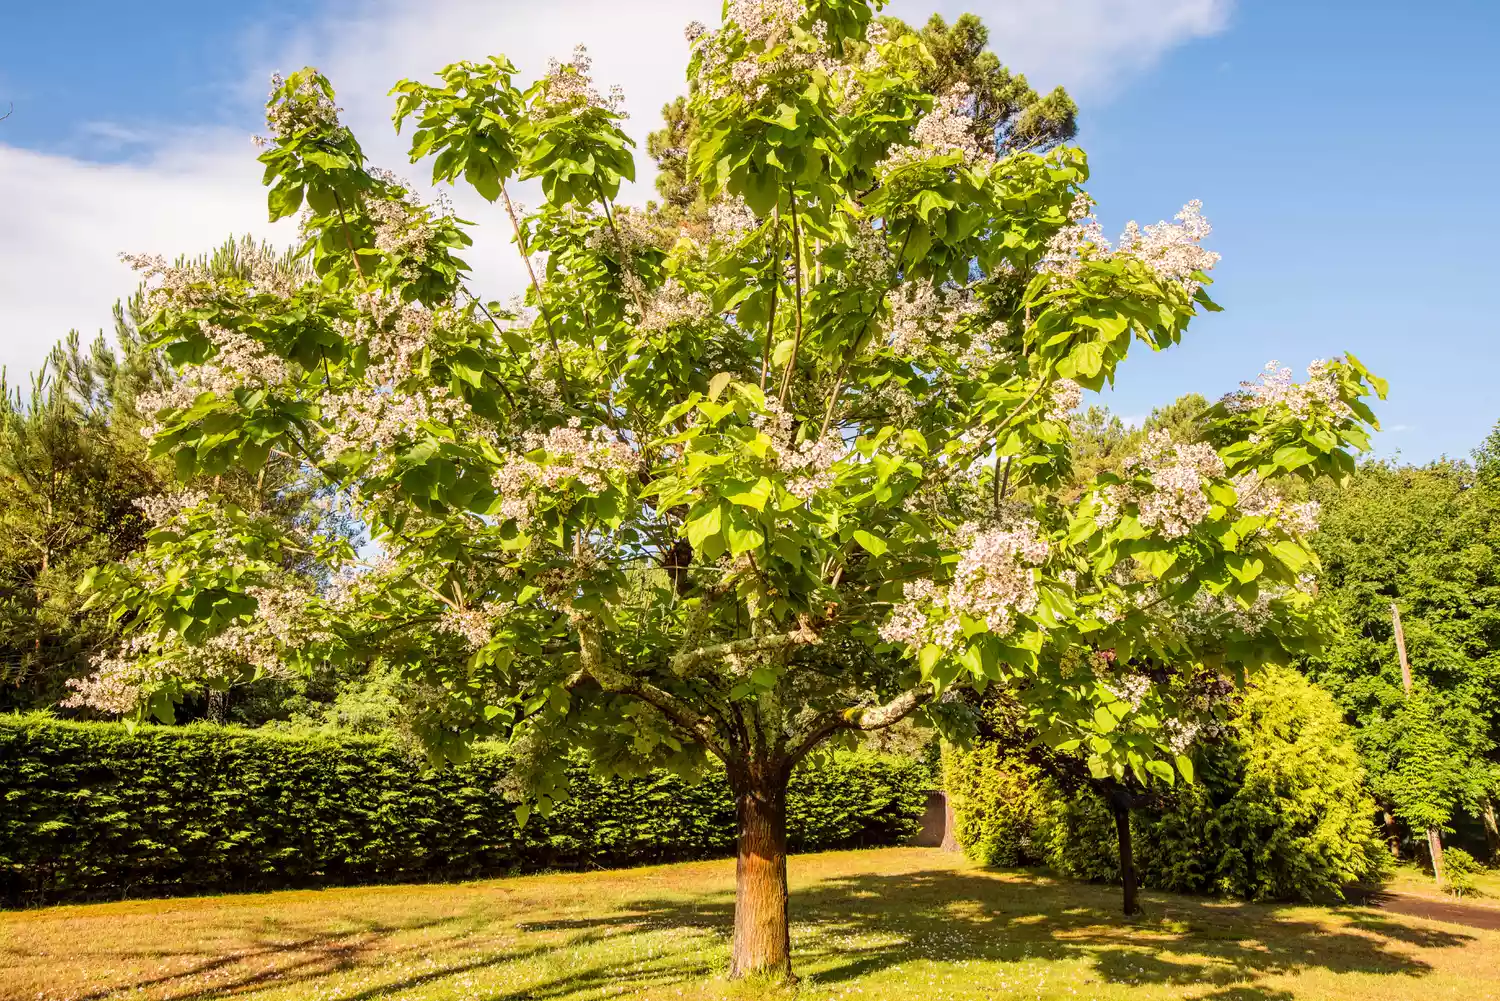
{"x": 895, "y": 923}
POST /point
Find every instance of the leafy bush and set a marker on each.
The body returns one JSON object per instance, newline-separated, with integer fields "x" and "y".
{"x": 1279, "y": 810}
{"x": 93, "y": 810}
{"x": 1459, "y": 868}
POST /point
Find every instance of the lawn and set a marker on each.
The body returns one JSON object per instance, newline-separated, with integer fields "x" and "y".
{"x": 889, "y": 924}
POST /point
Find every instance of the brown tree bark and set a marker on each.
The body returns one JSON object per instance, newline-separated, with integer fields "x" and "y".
{"x": 1127, "y": 858}
{"x": 1491, "y": 830}
{"x": 1392, "y": 833}
{"x": 762, "y": 939}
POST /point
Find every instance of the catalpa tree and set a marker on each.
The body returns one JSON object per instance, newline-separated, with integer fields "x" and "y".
{"x": 733, "y": 498}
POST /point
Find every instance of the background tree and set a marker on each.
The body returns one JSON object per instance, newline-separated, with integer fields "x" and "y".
{"x": 720, "y": 501}
{"x": 1425, "y": 538}
{"x": 1278, "y": 811}
{"x": 78, "y": 487}
{"x": 1005, "y": 113}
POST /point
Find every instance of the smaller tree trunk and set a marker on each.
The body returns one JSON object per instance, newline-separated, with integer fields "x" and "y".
{"x": 218, "y": 706}
{"x": 950, "y": 825}
{"x": 1392, "y": 833}
{"x": 1435, "y": 846}
{"x": 762, "y": 939}
{"x": 1127, "y": 858}
{"x": 1491, "y": 830}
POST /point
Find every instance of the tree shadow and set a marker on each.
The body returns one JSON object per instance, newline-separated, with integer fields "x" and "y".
{"x": 852, "y": 927}
{"x": 844, "y": 928}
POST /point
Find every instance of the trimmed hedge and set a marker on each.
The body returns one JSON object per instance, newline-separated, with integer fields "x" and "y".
{"x": 91, "y": 810}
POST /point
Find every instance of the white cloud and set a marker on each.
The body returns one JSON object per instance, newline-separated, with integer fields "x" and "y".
{"x": 1088, "y": 46}
{"x": 67, "y": 219}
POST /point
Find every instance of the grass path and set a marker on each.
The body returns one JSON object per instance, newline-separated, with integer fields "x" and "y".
{"x": 900, "y": 923}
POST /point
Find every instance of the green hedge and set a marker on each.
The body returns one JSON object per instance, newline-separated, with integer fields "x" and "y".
{"x": 91, "y": 810}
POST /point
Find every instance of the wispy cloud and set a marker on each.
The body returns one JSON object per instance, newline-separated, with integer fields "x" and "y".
{"x": 186, "y": 190}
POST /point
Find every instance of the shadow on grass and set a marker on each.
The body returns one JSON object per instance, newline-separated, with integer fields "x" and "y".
{"x": 851, "y": 927}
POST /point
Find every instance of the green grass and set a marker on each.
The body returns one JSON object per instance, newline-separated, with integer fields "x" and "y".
{"x": 901, "y": 923}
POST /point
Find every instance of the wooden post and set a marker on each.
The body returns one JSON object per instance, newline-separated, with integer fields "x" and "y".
{"x": 1434, "y": 836}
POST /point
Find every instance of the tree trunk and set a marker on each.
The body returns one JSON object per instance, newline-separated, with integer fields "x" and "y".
{"x": 1491, "y": 830}
{"x": 762, "y": 940}
{"x": 1127, "y": 858}
{"x": 1435, "y": 846}
{"x": 950, "y": 826}
{"x": 1392, "y": 833}
{"x": 218, "y": 706}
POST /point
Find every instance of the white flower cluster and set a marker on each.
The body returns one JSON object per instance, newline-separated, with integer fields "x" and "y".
{"x": 1173, "y": 251}
{"x": 161, "y": 509}
{"x": 811, "y": 461}
{"x": 306, "y": 109}
{"x": 673, "y": 305}
{"x": 1176, "y": 501}
{"x": 474, "y": 625}
{"x": 771, "y": 51}
{"x": 376, "y": 419}
{"x": 1132, "y": 689}
{"x": 993, "y": 583}
{"x": 1067, "y": 396}
{"x": 589, "y": 457}
{"x": 281, "y": 621}
{"x": 237, "y": 361}
{"x": 947, "y": 128}
{"x": 730, "y": 219}
{"x": 1180, "y": 735}
{"x": 569, "y": 87}
{"x": 927, "y": 317}
{"x": 1275, "y": 388}
{"x": 1257, "y": 499}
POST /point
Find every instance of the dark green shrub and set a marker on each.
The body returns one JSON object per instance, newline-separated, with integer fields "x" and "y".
{"x": 91, "y": 810}
{"x": 1279, "y": 811}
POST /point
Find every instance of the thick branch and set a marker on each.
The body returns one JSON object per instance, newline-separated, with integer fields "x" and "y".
{"x": 737, "y": 650}
{"x": 595, "y": 664}
{"x": 862, "y": 718}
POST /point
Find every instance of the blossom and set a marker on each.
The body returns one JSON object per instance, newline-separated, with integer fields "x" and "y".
{"x": 993, "y": 584}
{"x": 1275, "y": 388}
{"x": 1173, "y": 251}
{"x": 569, "y": 87}
{"x": 1132, "y": 688}
{"x": 1066, "y": 397}
{"x": 1180, "y": 735}
{"x": 237, "y": 361}
{"x": 730, "y": 219}
{"x": 947, "y": 129}
{"x": 1256, "y": 498}
{"x": 672, "y": 305}
{"x": 376, "y": 419}
{"x": 1177, "y": 472}
{"x": 572, "y": 456}
{"x": 305, "y": 109}
{"x": 162, "y": 509}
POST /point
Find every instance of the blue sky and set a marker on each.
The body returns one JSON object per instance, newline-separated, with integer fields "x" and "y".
{"x": 1343, "y": 150}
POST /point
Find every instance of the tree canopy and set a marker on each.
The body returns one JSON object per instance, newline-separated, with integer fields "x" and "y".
{"x": 738, "y": 496}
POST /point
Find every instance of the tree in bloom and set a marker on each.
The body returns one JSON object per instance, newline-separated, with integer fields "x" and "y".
{"x": 738, "y": 497}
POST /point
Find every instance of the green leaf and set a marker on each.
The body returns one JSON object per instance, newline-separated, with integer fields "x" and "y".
{"x": 717, "y": 383}
{"x": 1185, "y": 768}
{"x": 1162, "y": 770}
{"x": 873, "y": 545}
{"x": 707, "y": 524}
{"x": 1104, "y": 720}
